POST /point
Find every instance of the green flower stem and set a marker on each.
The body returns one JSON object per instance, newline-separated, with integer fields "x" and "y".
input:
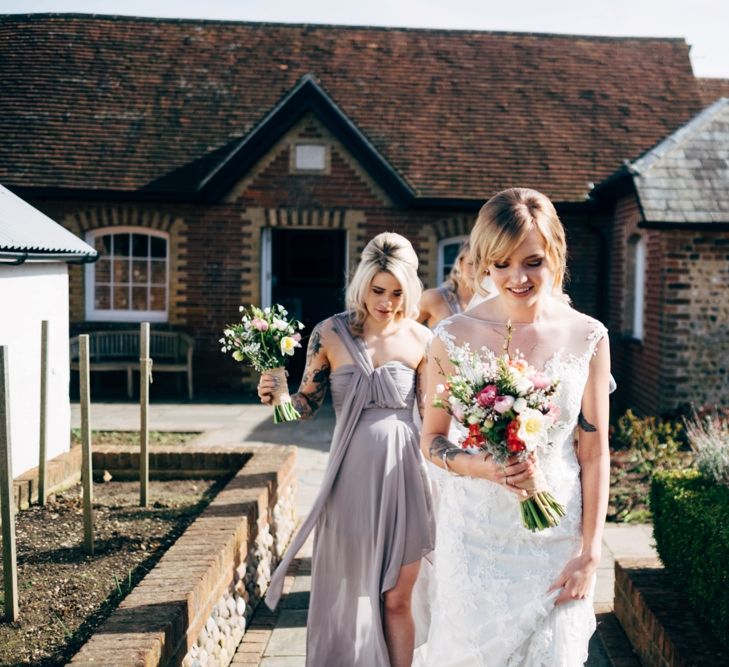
{"x": 541, "y": 511}
{"x": 285, "y": 412}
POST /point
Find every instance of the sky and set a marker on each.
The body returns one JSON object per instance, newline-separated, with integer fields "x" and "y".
{"x": 702, "y": 23}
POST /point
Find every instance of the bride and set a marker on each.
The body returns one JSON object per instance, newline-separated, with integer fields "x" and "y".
{"x": 507, "y": 596}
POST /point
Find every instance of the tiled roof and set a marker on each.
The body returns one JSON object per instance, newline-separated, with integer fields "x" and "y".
{"x": 24, "y": 229}
{"x": 116, "y": 103}
{"x": 685, "y": 178}
{"x": 712, "y": 89}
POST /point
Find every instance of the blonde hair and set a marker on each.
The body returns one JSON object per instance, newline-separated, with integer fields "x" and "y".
{"x": 503, "y": 223}
{"x": 394, "y": 254}
{"x": 451, "y": 282}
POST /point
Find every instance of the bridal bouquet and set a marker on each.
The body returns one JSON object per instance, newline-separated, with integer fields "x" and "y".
{"x": 264, "y": 339}
{"x": 505, "y": 405}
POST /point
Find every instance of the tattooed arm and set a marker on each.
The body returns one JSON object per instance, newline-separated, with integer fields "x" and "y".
{"x": 315, "y": 380}
{"x": 440, "y": 451}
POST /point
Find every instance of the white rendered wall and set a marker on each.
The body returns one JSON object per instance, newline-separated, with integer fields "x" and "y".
{"x": 30, "y": 293}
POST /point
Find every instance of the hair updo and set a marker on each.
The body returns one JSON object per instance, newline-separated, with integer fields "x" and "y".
{"x": 394, "y": 254}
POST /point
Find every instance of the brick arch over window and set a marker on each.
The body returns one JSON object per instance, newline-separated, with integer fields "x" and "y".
{"x": 130, "y": 281}
{"x": 89, "y": 220}
{"x": 437, "y": 233}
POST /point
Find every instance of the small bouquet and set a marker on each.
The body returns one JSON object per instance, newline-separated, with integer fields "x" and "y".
{"x": 505, "y": 405}
{"x": 263, "y": 339}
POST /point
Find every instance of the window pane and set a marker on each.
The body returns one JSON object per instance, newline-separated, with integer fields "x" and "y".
{"x": 310, "y": 157}
{"x": 103, "y": 271}
{"x": 121, "y": 270}
{"x": 140, "y": 245}
{"x": 139, "y": 271}
{"x": 121, "y": 297}
{"x": 159, "y": 273}
{"x": 121, "y": 245}
{"x": 158, "y": 298}
{"x": 102, "y": 244}
{"x": 158, "y": 246}
{"x": 139, "y": 298}
{"x": 102, "y": 297}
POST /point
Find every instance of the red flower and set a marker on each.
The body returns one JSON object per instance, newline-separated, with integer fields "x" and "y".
{"x": 487, "y": 396}
{"x": 474, "y": 438}
{"x": 513, "y": 443}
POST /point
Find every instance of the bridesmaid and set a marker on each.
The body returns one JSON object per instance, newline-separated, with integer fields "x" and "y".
{"x": 454, "y": 295}
{"x": 373, "y": 515}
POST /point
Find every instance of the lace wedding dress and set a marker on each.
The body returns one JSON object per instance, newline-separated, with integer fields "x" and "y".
{"x": 490, "y": 606}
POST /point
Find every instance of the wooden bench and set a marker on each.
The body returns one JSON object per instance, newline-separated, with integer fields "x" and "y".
{"x": 171, "y": 352}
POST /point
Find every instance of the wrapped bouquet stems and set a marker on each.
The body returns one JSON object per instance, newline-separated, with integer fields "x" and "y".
{"x": 264, "y": 339}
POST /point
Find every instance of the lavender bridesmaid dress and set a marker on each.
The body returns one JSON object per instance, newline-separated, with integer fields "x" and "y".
{"x": 373, "y": 514}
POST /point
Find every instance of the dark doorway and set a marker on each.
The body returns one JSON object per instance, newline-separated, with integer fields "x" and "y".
{"x": 308, "y": 272}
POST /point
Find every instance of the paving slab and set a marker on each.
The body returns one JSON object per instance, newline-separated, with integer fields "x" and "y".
{"x": 299, "y": 661}
{"x": 234, "y": 423}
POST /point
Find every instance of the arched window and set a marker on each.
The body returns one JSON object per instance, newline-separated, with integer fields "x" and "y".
{"x": 635, "y": 287}
{"x": 130, "y": 280}
{"x": 447, "y": 253}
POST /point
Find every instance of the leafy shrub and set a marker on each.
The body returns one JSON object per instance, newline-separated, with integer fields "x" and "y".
{"x": 656, "y": 442}
{"x": 709, "y": 438}
{"x": 692, "y": 536}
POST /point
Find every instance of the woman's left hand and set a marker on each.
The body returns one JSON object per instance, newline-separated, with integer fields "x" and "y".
{"x": 575, "y": 579}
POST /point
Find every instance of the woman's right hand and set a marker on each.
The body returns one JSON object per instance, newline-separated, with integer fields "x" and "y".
{"x": 509, "y": 476}
{"x": 266, "y": 386}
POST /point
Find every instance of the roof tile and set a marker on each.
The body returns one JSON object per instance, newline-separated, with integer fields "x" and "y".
{"x": 117, "y": 103}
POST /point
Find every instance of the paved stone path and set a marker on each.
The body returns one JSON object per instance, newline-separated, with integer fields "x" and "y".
{"x": 278, "y": 639}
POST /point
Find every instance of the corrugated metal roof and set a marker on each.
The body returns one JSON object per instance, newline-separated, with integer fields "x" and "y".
{"x": 24, "y": 228}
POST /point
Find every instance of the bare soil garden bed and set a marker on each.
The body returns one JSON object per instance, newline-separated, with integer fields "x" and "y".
{"x": 64, "y": 594}
{"x": 630, "y": 480}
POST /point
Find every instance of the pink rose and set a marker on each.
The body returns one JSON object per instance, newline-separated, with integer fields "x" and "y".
{"x": 487, "y": 396}
{"x": 553, "y": 411}
{"x": 540, "y": 381}
{"x": 296, "y": 337}
{"x": 503, "y": 404}
{"x": 260, "y": 324}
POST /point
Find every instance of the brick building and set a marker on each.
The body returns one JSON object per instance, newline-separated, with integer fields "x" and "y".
{"x": 218, "y": 163}
{"x": 669, "y": 287}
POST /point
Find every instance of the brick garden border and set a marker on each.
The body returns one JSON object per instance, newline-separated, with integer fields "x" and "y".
{"x": 160, "y": 619}
{"x": 658, "y": 620}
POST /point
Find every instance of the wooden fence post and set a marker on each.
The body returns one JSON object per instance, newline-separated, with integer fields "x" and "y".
{"x": 43, "y": 436}
{"x": 7, "y": 497}
{"x": 145, "y": 367}
{"x": 86, "y": 465}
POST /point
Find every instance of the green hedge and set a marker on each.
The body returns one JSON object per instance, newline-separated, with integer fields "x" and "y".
{"x": 691, "y": 529}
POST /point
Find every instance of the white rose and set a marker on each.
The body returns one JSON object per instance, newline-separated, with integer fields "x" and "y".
{"x": 520, "y": 404}
{"x": 532, "y": 427}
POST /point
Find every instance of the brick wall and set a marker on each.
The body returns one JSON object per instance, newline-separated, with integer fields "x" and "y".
{"x": 683, "y": 356}
{"x": 696, "y": 319}
{"x": 636, "y": 364}
{"x": 215, "y": 250}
